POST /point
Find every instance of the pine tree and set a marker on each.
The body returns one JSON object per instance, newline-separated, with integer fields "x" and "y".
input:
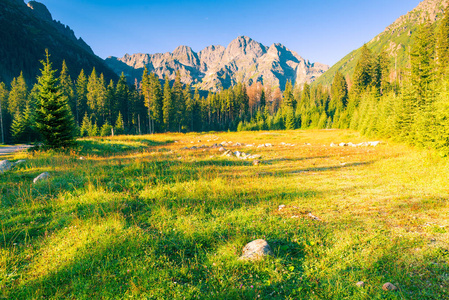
{"x": 81, "y": 97}
{"x": 178, "y": 102}
{"x": 146, "y": 93}
{"x": 22, "y": 127}
{"x": 18, "y": 95}
{"x": 119, "y": 125}
{"x": 68, "y": 90}
{"x": 86, "y": 125}
{"x": 53, "y": 118}
{"x": 339, "y": 94}
{"x": 422, "y": 63}
{"x": 363, "y": 72}
{"x": 168, "y": 105}
{"x": 3, "y": 102}
{"x": 189, "y": 107}
{"x": 442, "y": 45}
{"x": 122, "y": 95}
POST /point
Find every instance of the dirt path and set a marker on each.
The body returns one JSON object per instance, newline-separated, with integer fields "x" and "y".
{"x": 11, "y": 149}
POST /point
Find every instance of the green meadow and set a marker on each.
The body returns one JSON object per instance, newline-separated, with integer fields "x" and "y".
{"x": 142, "y": 217}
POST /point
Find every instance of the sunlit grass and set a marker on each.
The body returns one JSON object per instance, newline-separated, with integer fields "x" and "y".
{"x": 141, "y": 217}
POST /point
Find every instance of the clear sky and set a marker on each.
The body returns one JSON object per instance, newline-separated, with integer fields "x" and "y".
{"x": 318, "y": 30}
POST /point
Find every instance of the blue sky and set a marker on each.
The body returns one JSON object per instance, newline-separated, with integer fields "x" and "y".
{"x": 318, "y": 30}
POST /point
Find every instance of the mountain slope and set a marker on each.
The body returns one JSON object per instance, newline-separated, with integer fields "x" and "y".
{"x": 395, "y": 39}
{"x": 217, "y": 67}
{"x": 27, "y": 30}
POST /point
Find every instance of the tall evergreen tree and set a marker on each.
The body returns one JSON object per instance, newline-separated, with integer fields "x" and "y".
{"x": 3, "y": 101}
{"x": 442, "y": 45}
{"x": 53, "y": 117}
{"x": 339, "y": 94}
{"x": 363, "y": 72}
{"x": 178, "y": 102}
{"x": 67, "y": 87}
{"x": 81, "y": 97}
{"x": 18, "y": 95}
{"x": 167, "y": 105}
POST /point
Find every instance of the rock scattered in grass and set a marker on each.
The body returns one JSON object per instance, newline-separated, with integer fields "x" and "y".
{"x": 222, "y": 149}
{"x": 19, "y": 162}
{"x": 42, "y": 177}
{"x": 389, "y": 287}
{"x": 256, "y": 162}
{"x": 364, "y": 144}
{"x": 281, "y": 207}
{"x": 360, "y": 284}
{"x": 313, "y": 217}
{"x": 256, "y": 250}
{"x": 5, "y": 165}
{"x": 82, "y": 158}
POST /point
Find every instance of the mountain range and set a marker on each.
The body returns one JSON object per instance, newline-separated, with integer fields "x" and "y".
{"x": 217, "y": 67}
{"x": 27, "y": 30}
{"x": 395, "y": 40}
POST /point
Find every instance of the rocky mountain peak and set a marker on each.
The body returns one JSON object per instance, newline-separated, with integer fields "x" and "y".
{"x": 40, "y": 10}
{"x": 216, "y": 67}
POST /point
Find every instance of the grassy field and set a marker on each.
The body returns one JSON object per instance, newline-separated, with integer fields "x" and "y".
{"x": 145, "y": 218}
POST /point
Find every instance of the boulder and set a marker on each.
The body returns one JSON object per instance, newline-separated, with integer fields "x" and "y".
{"x": 5, "y": 165}
{"x": 389, "y": 287}
{"x": 360, "y": 284}
{"x": 222, "y": 149}
{"x": 42, "y": 177}
{"x": 256, "y": 250}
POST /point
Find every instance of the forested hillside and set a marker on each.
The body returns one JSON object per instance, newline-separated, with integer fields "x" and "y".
{"x": 395, "y": 41}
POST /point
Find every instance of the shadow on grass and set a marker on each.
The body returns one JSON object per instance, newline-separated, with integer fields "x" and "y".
{"x": 107, "y": 147}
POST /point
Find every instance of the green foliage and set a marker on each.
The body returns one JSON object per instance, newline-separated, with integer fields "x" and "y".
{"x": 119, "y": 125}
{"x": 106, "y": 129}
{"x": 22, "y": 127}
{"x": 53, "y": 118}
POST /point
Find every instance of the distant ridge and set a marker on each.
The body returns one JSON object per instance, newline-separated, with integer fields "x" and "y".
{"x": 217, "y": 67}
{"x": 27, "y": 30}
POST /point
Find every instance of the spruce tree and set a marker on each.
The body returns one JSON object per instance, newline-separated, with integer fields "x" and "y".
{"x": 66, "y": 84}
{"x": 339, "y": 94}
{"x": 167, "y": 105}
{"x": 442, "y": 45}
{"x": 119, "y": 124}
{"x": 81, "y": 97}
{"x": 178, "y": 102}
{"x": 53, "y": 117}
{"x": 3, "y": 102}
{"x": 18, "y": 95}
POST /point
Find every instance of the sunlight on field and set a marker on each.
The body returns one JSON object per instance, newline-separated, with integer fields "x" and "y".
{"x": 167, "y": 215}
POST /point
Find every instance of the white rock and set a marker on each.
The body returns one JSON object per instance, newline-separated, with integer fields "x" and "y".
{"x": 256, "y": 250}
{"x": 5, "y": 165}
{"x": 268, "y": 145}
{"x": 342, "y": 144}
{"x": 281, "y": 207}
{"x": 83, "y": 158}
{"x": 222, "y": 149}
{"x": 43, "y": 176}
{"x": 374, "y": 144}
{"x": 19, "y": 162}
{"x": 360, "y": 284}
{"x": 333, "y": 145}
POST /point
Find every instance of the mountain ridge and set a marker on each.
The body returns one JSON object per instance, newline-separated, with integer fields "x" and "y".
{"x": 217, "y": 67}
{"x": 29, "y": 30}
{"x": 394, "y": 39}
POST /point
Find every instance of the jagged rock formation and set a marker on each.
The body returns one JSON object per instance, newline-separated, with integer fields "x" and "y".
{"x": 217, "y": 67}
{"x": 27, "y": 30}
{"x": 395, "y": 39}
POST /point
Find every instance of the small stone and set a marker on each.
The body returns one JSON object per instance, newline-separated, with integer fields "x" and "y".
{"x": 281, "y": 207}
{"x": 222, "y": 149}
{"x": 256, "y": 250}
{"x": 19, "y": 162}
{"x": 360, "y": 284}
{"x": 389, "y": 287}
{"x": 256, "y": 162}
{"x": 5, "y": 165}
{"x": 43, "y": 176}
{"x": 82, "y": 158}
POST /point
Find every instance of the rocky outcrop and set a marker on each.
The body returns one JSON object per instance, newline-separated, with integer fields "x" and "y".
{"x": 216, "y": 67}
